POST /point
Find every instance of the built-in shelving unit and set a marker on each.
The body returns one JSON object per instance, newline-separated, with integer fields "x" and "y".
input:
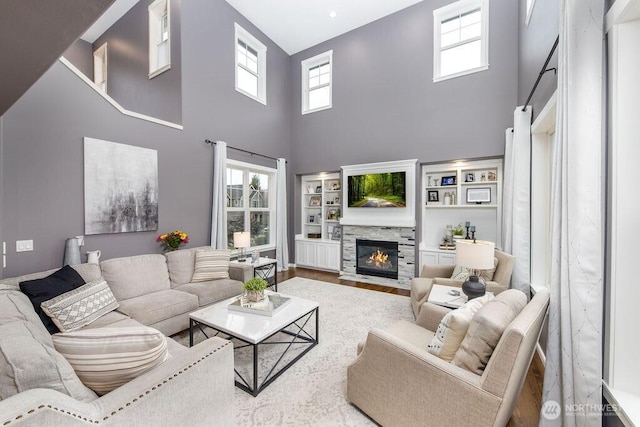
{"x": 460, "y": 192}
{"x": 321, "y": 211}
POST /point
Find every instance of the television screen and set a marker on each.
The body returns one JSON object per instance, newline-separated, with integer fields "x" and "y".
{"x": 377, "y": 190}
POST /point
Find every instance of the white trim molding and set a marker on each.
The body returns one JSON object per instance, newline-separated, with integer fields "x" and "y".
{"x": 113, "y": 102}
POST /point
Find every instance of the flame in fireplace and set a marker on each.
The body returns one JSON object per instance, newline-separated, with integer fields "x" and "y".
{"x": 379, "y": 259}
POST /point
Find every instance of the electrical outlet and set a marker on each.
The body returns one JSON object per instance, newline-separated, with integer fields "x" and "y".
{"x": 24, "y": 245}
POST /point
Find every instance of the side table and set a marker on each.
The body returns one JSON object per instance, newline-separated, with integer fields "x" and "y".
{"x": 266, "y": 268}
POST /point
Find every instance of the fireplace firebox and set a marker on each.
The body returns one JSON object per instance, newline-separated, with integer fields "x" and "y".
{"x": 377, "y": 258}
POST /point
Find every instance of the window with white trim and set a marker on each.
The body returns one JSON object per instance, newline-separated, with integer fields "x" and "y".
{"x": 251, "y": 203}
{"x": 317, "y": 82}
{"x": 159, "y": 37}
{"x": 251, "y": 65}
{"x": 460, "y": 39}
{"x": 100, "y": 67}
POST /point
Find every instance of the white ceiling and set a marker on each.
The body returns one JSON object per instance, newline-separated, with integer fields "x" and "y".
{"x": 296, "y": 25}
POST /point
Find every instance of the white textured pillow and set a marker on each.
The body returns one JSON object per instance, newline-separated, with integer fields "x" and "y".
{"x": 106, "y": 358}
{"x": 462, "y": 273}
{"x": 211, "y": 265}
{"x": 453, "y": 328}
{"x": 81, "y": 306}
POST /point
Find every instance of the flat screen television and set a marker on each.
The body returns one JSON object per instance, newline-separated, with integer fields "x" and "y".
{"x": 377, "y": 190}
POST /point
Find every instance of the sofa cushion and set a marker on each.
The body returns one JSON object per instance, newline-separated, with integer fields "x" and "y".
{"x": 453, "y": 328}
{"x": 157, "y": 306}
{"x": 81, "y": 306}
{"x": 181, "y": 264}
{"x": 40, "y": 290}
{"x": 211, "y": 265}
{"x": 108, "y": 319}
{"x": 212, "y": 291}
{"x": 134, "y": 276}
{"x": 107, "y": 358}
{"x": 486, "y": 328}
{"x": 28, "y": 360}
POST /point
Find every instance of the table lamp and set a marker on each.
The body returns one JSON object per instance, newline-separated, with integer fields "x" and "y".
{"x": 242, "y": 240}
{"x": 475, "y": 255}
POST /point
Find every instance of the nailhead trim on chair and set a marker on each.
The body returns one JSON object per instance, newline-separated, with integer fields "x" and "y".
{"x": 31, "y": 411}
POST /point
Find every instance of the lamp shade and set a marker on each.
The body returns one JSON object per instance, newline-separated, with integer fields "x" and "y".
{"x": 476, "y": 255}
{"x": 242, "y": 239}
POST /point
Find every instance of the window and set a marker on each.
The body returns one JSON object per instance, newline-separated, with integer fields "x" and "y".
{"x": 461, "y": 39}
{"x": 251, "y": 66}
{"x": 251, "y": 202}
{"x": 317, "y": 83}
{"x": 159, "y": 38}
{"x": 100, "y": 67}
{"x": 530, "y": 4}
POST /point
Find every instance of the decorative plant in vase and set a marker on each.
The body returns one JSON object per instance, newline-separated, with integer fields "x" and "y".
{"x": 171, "y": 241}
{"x": 458, "y": 231}
{"x": 254, "y": 289}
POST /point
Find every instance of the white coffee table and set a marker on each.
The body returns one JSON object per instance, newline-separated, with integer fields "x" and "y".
{"x": 255, "y": 329}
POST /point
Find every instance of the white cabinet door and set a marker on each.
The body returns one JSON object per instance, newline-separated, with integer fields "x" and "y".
{"x": 428, "y": 258}
{"x": 305, "y": 253}
{"x": 328, "y": 256}
{"x": 447, "y": 259}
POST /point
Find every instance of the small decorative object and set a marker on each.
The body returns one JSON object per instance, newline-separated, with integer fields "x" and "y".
{"x": 458, "y": 231}
{"x": 475, "y": 256}
{"x": 337, "y": 233}
{"x": 470, "y": 177}
{"x": 428, "y": 180}
{"x": 242, "y": 240}
{"x": 432, "y": 196}
{"x": 335, "y": 186}
{"x": 448, "y": 180}
{"x": 319, "y": 218}
{"x": 315, "y": 200}
{"x": 332, "y": 214}
{"x": 447, "y": 198}
{"x": 171, "y": 241}
{"x": 319, "y": 189}
{"x": 472, "y": 229}
{"x": 479, "y": 195}
{"x": 71, "y": 252}
{"x": 93, "y": 257}
{"x": 483, "y": 177}
{"x": 336, "y": 200}
{"x": 491, "y": 176}
{"x": 453, "y": 197}
{"x": 310, "y": 189}
{"x": 254, "y": 289}
{"x": 467, "y": 224}
{"x": 435, "y": 182}
{"x": 255, "y": 256}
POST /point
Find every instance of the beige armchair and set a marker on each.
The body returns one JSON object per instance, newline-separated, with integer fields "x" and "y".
{"x": 397, "y": 382}
{"x": 440, "y": 274}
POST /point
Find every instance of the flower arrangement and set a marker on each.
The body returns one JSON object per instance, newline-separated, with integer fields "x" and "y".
{"x": 171, "y": 241}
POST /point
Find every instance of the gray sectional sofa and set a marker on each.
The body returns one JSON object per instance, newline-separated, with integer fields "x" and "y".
{"x": 195, "y": 386}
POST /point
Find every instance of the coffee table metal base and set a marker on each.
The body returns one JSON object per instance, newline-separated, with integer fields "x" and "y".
{"x": 298, "y": 336}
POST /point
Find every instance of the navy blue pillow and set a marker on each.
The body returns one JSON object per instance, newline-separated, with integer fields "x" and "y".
{"x": 40, "y": 290}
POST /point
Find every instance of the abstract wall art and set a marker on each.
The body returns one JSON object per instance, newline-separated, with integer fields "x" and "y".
{"x": 120, "y": 188}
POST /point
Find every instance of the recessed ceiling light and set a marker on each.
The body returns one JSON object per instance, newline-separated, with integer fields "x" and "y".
{"x": 332, "y": 14}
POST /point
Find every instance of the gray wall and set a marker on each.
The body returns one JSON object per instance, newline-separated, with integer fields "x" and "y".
{"x": 128, "y": 65}
{"x": 386, "y": 106}
{"x": 80, "y": 54}
{"x": 535, "y": 42}
{"x": 43, "y": 159}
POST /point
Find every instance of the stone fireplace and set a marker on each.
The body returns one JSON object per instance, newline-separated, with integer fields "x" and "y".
{"x": 377, "y": 258}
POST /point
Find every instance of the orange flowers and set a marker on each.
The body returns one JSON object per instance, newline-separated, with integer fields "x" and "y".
{"x": 171, "y": 241}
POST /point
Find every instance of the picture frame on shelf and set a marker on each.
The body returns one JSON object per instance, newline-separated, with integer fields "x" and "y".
{"x": 335, "y": 186}
{"x": 432, "y": 196}
{"x": 479, "y": 195}
{"x": 469, "y": 177}
{"x": 311, "y": 219}
{"x": 318, "y": 189}
{"x": 336, "y": 200}
{"x": 491, "y": 176}
{"x": 310, "y": 189}
{"x": 337, "y": 233}
{"x": 448, "y": 180}
{"x": 315, "y": 201}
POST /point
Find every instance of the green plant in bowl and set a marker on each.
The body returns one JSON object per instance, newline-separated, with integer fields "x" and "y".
{"x": 254, "y": 289}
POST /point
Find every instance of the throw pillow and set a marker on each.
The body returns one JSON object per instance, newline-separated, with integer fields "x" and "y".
{"x": 106, "y": 358}
{"x": 453, "y": 328}
{"x": 211, "y": 265}
{"x": 81, "y": 306}
{"x": 64, "y": 280}
{"x": 486, "y": 328}
{"x": 463, "y": 273}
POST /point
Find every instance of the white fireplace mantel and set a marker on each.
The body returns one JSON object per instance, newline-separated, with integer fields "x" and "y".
{"x": 393, "y": 217}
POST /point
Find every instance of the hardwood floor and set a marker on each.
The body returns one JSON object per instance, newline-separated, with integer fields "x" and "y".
{"x": 527, "y": 411}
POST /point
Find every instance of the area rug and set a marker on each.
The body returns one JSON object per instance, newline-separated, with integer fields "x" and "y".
{"x": 312, "y": 391}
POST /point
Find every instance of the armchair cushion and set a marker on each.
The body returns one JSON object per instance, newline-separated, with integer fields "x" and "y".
{"x": 486, "y": 328}
{"x": 453, "y": 328}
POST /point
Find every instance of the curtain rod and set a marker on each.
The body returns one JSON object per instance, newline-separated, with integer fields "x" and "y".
{"x": 542, "y": 72}
{"x": 208, "y": 141}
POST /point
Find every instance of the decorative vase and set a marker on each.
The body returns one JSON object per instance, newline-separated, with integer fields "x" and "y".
{"x": 254, "y": 296}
